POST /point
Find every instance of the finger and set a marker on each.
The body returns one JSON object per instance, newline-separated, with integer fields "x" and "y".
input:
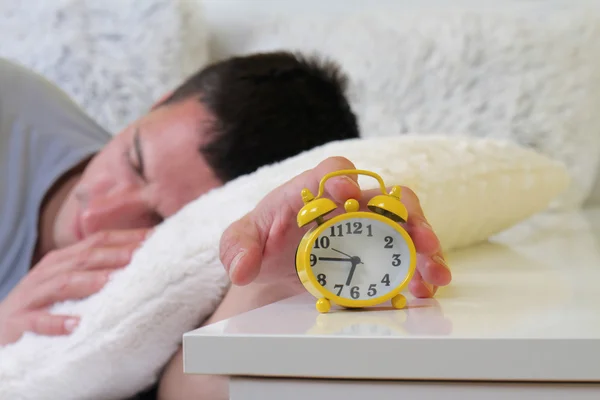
{"x": 73, "y": 285}
{"x": 102, "y": 239}
{"x": 420, "y": 288}
{"x": 116, "y": 238}
{"x": 242, "y": 244}
{"x": 89, "y": 259}
{"x": 431, "y": 263}
{"x": 425, "y": 239}
{"x": 44, "y": 323}
{"x": 434, "y": 269}
{"x": 108, "y": 249}
{"x": 416, "y": 217}
{"x": 101, "y": 258}
{"x": 240, "y": 250}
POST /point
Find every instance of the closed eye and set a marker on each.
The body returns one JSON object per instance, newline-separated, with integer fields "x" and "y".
{"x": 139, "y": 154}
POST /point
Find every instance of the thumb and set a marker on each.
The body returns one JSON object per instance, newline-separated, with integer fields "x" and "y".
{"x": 243, "y": 244}
{"x": 241, "y": 249}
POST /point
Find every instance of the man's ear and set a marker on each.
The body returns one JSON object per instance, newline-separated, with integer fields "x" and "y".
{"x": 162, "y": 99}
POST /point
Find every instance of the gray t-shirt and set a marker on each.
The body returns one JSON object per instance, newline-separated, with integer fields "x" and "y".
{"x": 43, "y": 134}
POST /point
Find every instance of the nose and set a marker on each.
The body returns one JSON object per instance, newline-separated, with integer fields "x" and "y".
{"x": 120, "y": 209}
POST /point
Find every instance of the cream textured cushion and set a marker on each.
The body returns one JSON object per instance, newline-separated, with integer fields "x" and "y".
{"x": 527, "y": 74}
{"x": 470, "y": 189}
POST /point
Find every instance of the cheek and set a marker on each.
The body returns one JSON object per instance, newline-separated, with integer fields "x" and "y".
{"x": 107, "y": 175}
{"x": 101, "y": 171}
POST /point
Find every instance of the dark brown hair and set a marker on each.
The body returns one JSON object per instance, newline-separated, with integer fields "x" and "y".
{"x": 269, "y": 107}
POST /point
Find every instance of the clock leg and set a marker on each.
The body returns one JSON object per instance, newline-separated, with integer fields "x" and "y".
{"x": 323, "y": 305}
{"x": 399, "y": 301}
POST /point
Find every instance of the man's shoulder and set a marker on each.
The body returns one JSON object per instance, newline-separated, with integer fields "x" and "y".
{"x": 42, "y": 131}
{"x": 17, "y": 80}
{"x": 43, "y": 134}
{"x": 30, "y": 99}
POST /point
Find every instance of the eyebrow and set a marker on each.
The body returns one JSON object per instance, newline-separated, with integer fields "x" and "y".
{"x": 137, "y": 145}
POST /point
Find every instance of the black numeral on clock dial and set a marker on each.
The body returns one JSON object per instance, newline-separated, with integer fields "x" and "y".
{"x": 340, "y": 287}
{"x": 355, "y": 292}
{"x": 372, "y": 290}
{"x": 322, "y": 279}
{"x": 396, "y": 260}
{"x": 388, "y": 242}
{"x": 322, "y": 243}
{"x": 386, "y": 279}
{"x": 352, "y": 228}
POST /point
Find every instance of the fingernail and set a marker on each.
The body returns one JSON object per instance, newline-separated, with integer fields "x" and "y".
{"x": 439, "y": 260}
{"x": 426, "y": 225}
{"x": 351, "y": 181}
{"x": 429, "y": 287}
{"x": 235, "y": 262}
{"x": 71, "y": 324}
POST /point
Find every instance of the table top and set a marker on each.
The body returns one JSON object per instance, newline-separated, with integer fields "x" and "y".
{"x": 523, "y": 306}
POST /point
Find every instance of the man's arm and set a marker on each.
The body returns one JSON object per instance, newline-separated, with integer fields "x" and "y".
{"x": 267, "y": 238}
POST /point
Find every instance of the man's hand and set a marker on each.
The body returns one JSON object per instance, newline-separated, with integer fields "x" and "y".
{"x": 260, "y": 247}
{"x": 71, "y": 273}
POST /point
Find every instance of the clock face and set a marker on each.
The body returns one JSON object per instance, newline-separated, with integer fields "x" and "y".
{"x": 360, "y": 258}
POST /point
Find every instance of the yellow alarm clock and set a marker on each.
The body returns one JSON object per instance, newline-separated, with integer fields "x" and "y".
{"x": 359, "y": 258}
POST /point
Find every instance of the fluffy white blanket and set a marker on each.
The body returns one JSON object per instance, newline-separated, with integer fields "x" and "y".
{"x": 470, "y": 189}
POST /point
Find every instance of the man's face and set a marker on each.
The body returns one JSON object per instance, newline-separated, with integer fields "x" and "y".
{"x": 145, "y": 174}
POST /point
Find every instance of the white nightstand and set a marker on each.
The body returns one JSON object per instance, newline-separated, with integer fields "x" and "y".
{"x": 521, "y": 320}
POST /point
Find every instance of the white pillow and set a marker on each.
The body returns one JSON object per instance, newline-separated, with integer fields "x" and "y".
{"x": 470, "y": 189}
{"x": 528, "y": 74}
{"x": 115, "y": 58}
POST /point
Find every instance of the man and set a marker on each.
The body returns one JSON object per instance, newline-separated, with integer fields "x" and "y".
{"x": 76, "y": 202}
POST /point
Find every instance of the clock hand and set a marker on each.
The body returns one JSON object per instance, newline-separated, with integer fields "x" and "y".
{"x": 355, "y": 262}
{"x": 341, "y": 252}
{"x": 334, "y": 259}
{"x": 349, "y": 280}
